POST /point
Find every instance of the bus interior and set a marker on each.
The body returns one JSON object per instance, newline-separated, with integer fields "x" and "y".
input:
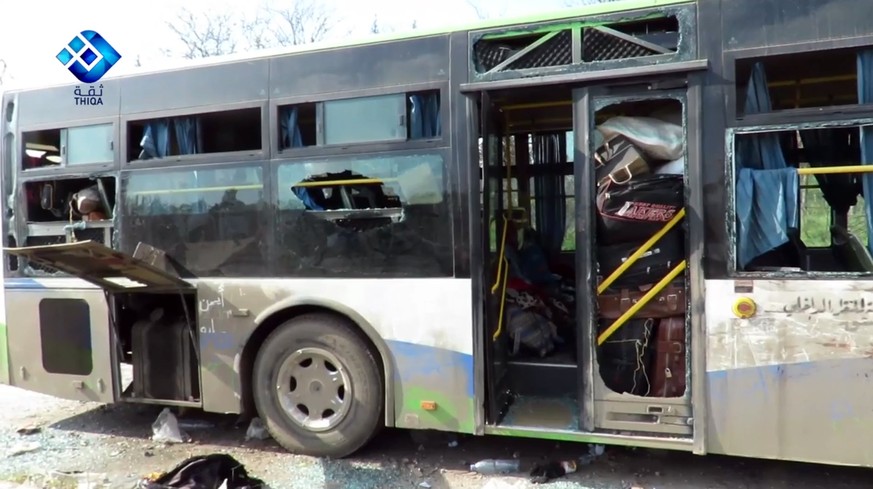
{"x": 535, "y": 354}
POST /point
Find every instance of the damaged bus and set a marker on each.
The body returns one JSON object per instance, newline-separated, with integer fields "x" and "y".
{"x": 641, "y": 223}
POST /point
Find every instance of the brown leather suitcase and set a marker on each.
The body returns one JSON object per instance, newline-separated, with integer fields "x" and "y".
{"x": 669, "y": 302}
{"x": 668, "y": 358}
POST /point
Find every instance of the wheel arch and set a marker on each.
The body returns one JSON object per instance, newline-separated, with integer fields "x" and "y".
{"x": 277, "y": 314}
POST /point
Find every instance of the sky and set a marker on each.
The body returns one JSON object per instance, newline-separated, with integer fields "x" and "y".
{"x": 33, "y": 32}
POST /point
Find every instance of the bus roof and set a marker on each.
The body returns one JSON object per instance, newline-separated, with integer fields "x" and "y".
{"x": 567, "y": 13}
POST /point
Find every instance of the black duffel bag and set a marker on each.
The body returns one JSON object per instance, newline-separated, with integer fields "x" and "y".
{"x": 635, "y": 211}
{"x": 650, "y": 268}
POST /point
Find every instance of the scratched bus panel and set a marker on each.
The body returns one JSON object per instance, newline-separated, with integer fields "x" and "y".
{"x": 795, "y": 321}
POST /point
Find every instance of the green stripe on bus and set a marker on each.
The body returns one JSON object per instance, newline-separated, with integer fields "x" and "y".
{"x": 4, "y": 356}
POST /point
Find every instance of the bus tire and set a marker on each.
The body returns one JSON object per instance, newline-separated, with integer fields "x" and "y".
{"x": 317, "y": 387}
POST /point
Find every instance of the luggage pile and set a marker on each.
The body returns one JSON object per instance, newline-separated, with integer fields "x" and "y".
{"x": 640, "y": 188}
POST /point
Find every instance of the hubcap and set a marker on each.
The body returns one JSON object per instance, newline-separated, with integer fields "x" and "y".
{"x": 314, "y": 389}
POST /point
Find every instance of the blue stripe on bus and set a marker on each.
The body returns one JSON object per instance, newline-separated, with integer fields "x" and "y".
{"x": 431, "y": 366}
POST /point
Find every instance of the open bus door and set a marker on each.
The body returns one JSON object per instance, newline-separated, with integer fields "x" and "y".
{"x": 495, "y": 269}
{"x": 655, "y": 397}
{"x": 63, "y": 340}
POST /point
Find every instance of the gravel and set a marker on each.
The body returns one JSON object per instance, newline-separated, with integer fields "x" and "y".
{"x": 114, "y": 442}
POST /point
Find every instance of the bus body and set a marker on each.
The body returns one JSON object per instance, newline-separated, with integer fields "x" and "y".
{"x": 263, "y": 235}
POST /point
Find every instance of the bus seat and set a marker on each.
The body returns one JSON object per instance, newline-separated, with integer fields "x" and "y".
{"x": 850, "y": 251}
{"x": 799, "y": 247}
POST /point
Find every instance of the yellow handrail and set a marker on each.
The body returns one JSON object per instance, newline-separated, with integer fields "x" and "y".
{"x": 327, "y": 183}
{"x": 502, "y": 264}
{"x": 254, "y": 186}
{"x": 502, "y": 303}
{"x": 637, "y": 254}
{"x": 828, "y": 170}
{"x": 501, "y": 255}
{"x": 642, "y": 303}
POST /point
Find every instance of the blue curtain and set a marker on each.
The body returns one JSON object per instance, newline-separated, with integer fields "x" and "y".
{"x": 187, "y": 135}
{"x": 865, "y": 96}
{"x": 759, "y": 151}
{"x": 303, "y": 193}
{"x": 424, "y": 120}
{"x": 766, "y": 210}
{"x": 767, "y": 188}
{"x": 155, "y": 141}
{"x": 290, "y": 130}
{"x": 551, "y": 211}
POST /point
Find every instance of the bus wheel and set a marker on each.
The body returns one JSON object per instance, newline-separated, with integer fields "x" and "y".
{"x": 317, "y": 387}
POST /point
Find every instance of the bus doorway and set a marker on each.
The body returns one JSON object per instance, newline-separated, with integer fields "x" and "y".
{"x": 586, "y": 311}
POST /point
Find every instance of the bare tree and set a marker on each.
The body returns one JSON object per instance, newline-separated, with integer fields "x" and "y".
{"x": 304, "y": 22}
{"x": 205, "y": 34}
{"x": 212, "y": 33}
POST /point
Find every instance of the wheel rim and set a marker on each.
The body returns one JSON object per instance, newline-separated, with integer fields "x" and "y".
{"x": 314, "y": 389}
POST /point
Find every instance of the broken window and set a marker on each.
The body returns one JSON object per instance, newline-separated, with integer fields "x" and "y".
{"x": 65, "y": 210}
{"x": 381, "y": 118}
{"x": 210, "y": 221}
{"x": 802, "y": 196}
{"x": 792, "y": 213}
{"x": 74, "y": 146}
{"x": 366, "y": 216}
{"x": 826, "y": 78}
{"x": 69, "y": 199}
{"x": 213, "y": 132}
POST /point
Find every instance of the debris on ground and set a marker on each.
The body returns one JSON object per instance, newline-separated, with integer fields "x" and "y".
{"x": 29, "y": 430}
{"x": 542, "y": 473}
{"x": 195, "y": 424}
{"x": 503, "y": 484}
{"x": 495, "y": 466}
{"x": 594, "y": 451}
{"x": 166, "y": 428}
{"x": 257, "y": 430}
{"x": 216, "y": 471}
{"x": 78, "y": 479}
{"x": 23, "y": 448}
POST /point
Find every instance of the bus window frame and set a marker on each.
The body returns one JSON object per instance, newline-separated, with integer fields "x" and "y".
{"x": 366, "y": 147}
{"x": 126, "y": 244}
{"x": 450, "y": 198}
{"x": 200, "y": 158}
{"x": 786, "y": 116}
{"x": 64, "y": 168}
{"x": 731, "y": 200}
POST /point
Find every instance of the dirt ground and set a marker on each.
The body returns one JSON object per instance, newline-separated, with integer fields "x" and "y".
{"x": 114, "y": 441}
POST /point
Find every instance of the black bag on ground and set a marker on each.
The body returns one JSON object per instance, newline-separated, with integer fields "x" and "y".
{"x": 635, "y": 211}
{"x": 649, "y": 268}
{"x": 206, "y": 472}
